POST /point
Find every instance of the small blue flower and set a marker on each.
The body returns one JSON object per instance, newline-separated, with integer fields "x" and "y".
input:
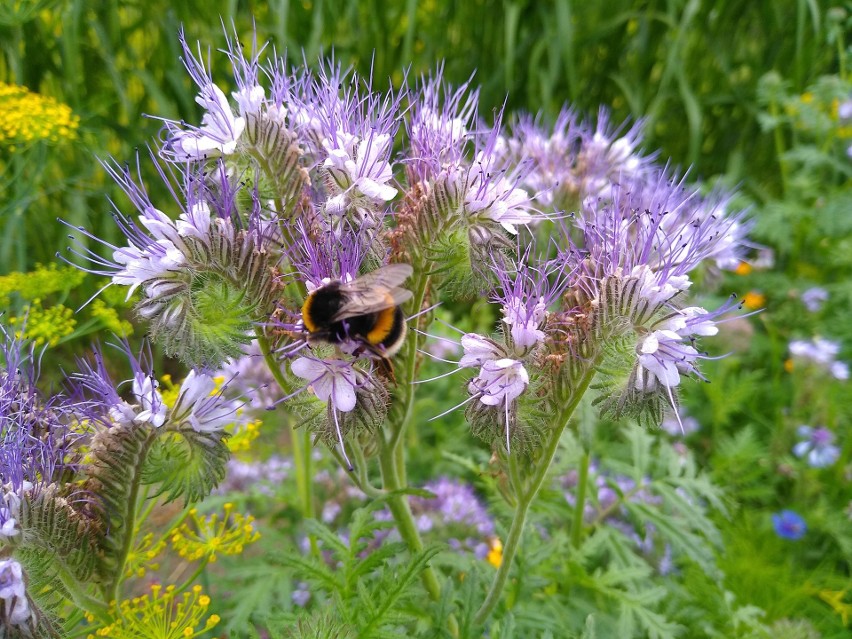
{"x": 789, "y": 525}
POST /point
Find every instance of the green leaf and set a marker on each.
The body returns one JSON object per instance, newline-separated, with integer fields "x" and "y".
{"x": 187, "y": 463}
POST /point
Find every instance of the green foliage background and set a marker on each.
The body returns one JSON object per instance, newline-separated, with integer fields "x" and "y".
{"x": 725, "y": 87}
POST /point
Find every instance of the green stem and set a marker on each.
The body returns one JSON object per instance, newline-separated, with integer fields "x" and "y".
{"x": 298, "y": 436}
{"x": 526, "y": 499}
{"x": 85, "y": 601}
{"x": 778, "y": 138}
{"x": 580, "y": 500}
{"x": 188, "y": 582}
{"x": 401, "y": 511}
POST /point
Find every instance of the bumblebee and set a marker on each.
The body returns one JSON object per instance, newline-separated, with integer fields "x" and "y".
{"x": 364, "y": 311}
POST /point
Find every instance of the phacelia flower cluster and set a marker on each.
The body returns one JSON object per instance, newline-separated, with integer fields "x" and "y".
{"x": 302, "y": 180}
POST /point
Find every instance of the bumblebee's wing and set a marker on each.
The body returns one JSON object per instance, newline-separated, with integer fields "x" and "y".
{"x": 375, "y": 291}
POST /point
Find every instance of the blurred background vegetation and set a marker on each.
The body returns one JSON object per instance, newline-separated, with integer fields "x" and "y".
{"x": 746, "y": 92}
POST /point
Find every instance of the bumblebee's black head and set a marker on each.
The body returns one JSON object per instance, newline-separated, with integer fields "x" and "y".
{"x": 321, "y": 306}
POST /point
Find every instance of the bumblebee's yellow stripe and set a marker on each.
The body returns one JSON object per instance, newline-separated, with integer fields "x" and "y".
{"x": 382, "y": 328}
{"x": 306, "y": 314}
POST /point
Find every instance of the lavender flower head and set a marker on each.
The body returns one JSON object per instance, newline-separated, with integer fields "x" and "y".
{"x": 36, "y": 440}
{"x": 817, "y": 446}
{"x": 823, "y": 353}
{"x": 814, "y": 298}
{"x": 200, "y": 404}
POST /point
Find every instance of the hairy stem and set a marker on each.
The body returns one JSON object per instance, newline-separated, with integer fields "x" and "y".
{"x": 299, "y": 437}
{"x": 525, "y": 500}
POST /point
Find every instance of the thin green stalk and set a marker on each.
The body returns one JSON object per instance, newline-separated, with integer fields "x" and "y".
{"x": 195, "y": 573}
{"x": 778, "y": 138}
{"x": 401, "y": 512}
{"x": 580, "y": 500}
{"x": 300, "y": 439}
{"x": 525, "y": 500}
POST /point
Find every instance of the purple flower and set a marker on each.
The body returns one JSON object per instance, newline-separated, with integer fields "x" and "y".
{"x": 823, "y": 353}
{"x": 199, "y": 404}
{"x": 789, "y": 525}
{"x": 220, "y": 128}
{"x": 817, "y": 445}
{"x": 524, "y": 292}
{"x": 16, "y": 607}
{"x": 679, "y": 425}
{"x": 301, "y": 596}
{"x": 439, "y": 122}
{"x": 814, "y": 298}
{"x": 331, "y": 380}
{"x": 36, "y": 443}
{"x": 455, "y": 505}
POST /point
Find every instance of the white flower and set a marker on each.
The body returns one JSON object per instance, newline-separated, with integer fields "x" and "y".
{"x": 663, "y": 355}
{"x": 525, "y": 322}
{"x": 218, "y": 133}
{"x": 250, "y": 100}
{"x": 478, "y": 350}
{"x": 359, "y": 165}
{"x": 499, "y": 381}
{"x": 201, "y": 406}
{"x": 496, "y": 199}
{"x": 149, "y": 408}
{"x": 333, "y": 380}
{"x": 655, "y": 292}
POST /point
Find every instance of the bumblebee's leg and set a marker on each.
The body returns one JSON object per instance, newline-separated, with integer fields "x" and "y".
{"x": 385, "y": 367}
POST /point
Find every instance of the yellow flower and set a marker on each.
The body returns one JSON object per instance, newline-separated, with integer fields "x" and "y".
{"x": 754, "y": 300}
{"x": 204, "y": 538}
{"x": 141, "y": 558}
{"x": 30, "y": 117}
{"x": 495, "y": 554}
{"x": 242, "y": 437}
{"x": 44, "y": 325}
{"x": 164, "y": 614}
{"x": 110, "y": 318}
{"x": 743, "y": 268}
{"x": 36, "y": 284}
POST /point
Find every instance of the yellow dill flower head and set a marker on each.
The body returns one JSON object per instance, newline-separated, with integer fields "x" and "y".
{"x": 164, "y": 614}
{"x": 40, "y": 282}
{"x": 141, "y": 558}
{"x": 110, "y": 318}
{"x": 207, "y": 537}
{"x": 242, "y": 436}
{"x": 44, "y": 325}
{"x": 30, "y": 117}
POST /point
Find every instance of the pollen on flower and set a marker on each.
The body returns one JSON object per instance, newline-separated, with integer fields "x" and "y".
{"x": 207, "y": 537}
{"x": 30, "y": 117}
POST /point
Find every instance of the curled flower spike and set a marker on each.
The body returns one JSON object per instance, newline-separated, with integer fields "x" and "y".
{"x": 205, "y": 277}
